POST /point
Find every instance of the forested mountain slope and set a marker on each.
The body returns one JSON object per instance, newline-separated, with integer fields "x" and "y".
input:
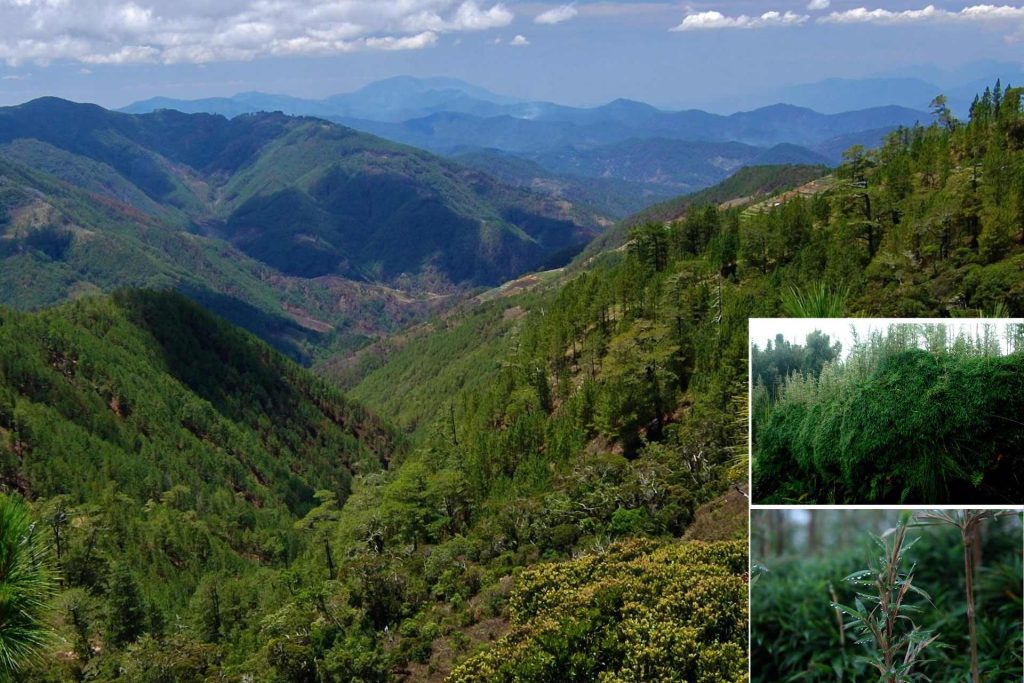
{"x": 213, "y": 534}
{"x": 160, "y": 445}
{"x": 304, "y": 196}
{"x": 153, "y": 389}
{"x": 746, "y": 185}
{"x": 59, "y": 242}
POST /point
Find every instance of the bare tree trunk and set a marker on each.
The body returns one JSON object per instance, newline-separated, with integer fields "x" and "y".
{"x": 330, "y": 559}
{"x": 455, "y": 434}
{"x": 977, "y": 550}
{"x": 780, "y": 532}
{"x": 762, "y": 516}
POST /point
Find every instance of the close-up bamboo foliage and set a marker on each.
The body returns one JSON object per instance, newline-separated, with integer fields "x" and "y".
{"x": 886, "y": 595}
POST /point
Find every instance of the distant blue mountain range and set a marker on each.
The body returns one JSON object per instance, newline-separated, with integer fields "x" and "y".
{"x": 449, "y": 116}
{"x": 643, "y": 150}
{"x": 911, "y": 88}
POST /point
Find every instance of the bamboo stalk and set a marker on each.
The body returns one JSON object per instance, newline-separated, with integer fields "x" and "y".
{"x": 966, "y": 535}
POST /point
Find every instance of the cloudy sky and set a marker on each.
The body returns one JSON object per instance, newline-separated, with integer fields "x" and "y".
{"x": 586, "y": 52}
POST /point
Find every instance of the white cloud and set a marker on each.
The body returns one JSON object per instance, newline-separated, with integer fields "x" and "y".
{"x": 519, "y": 41}
{"x": 132, "y": 18}
{"x": 197, "y": 31}
{"x": 14, "y": 77}
{"x": 468, "y": 17}
{"x": 986, "y": 12}
{"x": 975, "y": 13}
{"x": 711, "y": 20}
{"x": 993, "y": 14}
{"x": 129, "y": 54}
{"x": 417, "y": 42}
{"x": 557, "y": 15}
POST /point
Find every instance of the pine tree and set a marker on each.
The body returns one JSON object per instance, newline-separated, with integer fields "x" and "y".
{"x": 127, "y": 618}
{"x": 26, "y": 584}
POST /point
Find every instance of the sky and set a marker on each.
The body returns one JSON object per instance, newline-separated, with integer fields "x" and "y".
{"x": 795, "y": 330}
{"x": 671, "y": 54}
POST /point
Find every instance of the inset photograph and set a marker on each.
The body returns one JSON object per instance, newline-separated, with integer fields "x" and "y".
{"x": 861, "y": 411}
{"x": 886, "y": 595}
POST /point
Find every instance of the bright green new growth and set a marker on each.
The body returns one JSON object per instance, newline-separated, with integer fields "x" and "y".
{"x": 895, "y": 644}
{"x": 815, "y": 301}
{"x": 26, "y": 584}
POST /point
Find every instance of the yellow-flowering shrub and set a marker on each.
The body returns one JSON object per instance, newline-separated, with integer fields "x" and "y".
{"x": 640, "y": 611}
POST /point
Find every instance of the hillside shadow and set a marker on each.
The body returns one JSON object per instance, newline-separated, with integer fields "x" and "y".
{"x": 215, "y": 360}
{"x": 283, "y": 333}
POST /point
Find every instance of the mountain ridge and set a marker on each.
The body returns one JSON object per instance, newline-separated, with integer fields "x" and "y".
{"x": 680, "y": 124}
{"x": 213, "y": 172}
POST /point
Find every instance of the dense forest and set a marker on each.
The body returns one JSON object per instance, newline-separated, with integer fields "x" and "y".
{"x": 747, "y": 185}
{"x": 941, "y": 588}
{"x": 568, "y": 445}
{"x": 915, "y": 413}
{"x": 162, "y": 447}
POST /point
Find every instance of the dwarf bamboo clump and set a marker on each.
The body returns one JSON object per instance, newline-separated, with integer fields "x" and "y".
{"x": 913, "y": 415}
